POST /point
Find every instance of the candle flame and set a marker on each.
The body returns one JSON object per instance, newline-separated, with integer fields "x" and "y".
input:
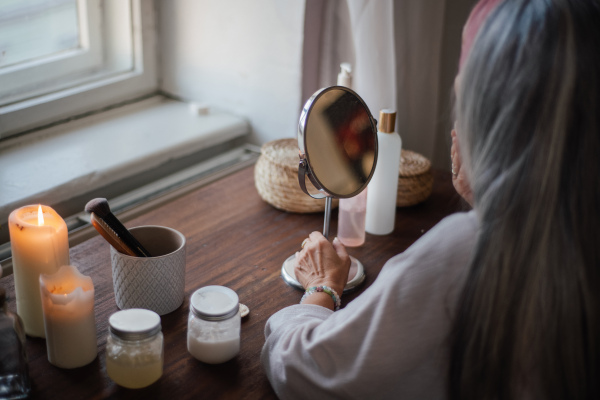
{"x": 40, "y": 216}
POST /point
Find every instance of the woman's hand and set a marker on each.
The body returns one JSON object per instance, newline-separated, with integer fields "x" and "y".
{"x": 321, "y": 263}
{"x": 459, "y": 177}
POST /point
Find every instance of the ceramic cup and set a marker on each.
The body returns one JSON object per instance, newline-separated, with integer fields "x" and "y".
{"x": 155, "y": 283}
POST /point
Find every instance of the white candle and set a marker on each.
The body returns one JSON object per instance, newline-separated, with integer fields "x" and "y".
{"x": 40, "y": 245}
{"x": 68, "y": 304}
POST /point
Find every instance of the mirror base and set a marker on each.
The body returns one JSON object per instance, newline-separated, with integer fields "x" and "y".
{"x": 355, "y": 277}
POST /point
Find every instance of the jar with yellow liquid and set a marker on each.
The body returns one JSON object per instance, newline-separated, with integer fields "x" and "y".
{"x": 134, "y": 348}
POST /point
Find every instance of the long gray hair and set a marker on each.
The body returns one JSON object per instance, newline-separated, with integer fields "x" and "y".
{"x": 528, "y": 113}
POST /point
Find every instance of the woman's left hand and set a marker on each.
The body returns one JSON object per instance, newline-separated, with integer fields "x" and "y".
{"x": 321, "y": 263}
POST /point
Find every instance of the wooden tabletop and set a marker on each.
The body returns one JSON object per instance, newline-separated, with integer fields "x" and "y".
{"x": 237, "y": 240}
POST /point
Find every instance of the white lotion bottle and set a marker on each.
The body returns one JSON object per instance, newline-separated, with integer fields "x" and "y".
{"x": 351, "y": 216}
{"x": 383, "y": 188}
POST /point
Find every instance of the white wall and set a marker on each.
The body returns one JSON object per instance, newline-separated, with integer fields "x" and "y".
{"x": 244, "y": 57}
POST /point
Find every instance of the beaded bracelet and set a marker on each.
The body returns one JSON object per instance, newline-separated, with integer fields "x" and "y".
{"x": 325, "y": 289}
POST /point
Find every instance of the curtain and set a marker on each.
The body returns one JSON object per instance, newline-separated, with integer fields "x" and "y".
{"x": 404, "y": 55}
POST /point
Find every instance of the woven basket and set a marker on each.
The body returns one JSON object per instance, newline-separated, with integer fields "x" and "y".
{"x": 415, "y": 180}
{"x": 276, "y": 179}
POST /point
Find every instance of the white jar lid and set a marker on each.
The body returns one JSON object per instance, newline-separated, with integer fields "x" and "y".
{"x": 214, "y": 303}
{"x": 134, "y": 324}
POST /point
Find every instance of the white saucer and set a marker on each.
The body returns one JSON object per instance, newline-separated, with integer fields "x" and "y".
{"x": 356, "y": 275}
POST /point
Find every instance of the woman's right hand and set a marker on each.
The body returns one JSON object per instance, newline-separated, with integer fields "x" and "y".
{"x": 321, "y": 263}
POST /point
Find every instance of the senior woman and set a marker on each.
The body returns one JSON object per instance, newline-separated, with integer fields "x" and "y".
{"x": 500, "y": 302}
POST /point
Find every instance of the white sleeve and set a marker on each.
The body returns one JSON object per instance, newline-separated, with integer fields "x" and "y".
{"x": 390, "y": 342}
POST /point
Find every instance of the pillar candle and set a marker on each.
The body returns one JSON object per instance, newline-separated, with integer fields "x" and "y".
{"x": 39, "y": 244}
{"x": 68, "y": 305}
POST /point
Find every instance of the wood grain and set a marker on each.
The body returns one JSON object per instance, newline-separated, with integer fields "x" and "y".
{"x": 236, "y": 240}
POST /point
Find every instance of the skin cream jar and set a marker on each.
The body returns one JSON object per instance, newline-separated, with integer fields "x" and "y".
{"x": 214, "y": 325}
{"x": 134, "y": 348}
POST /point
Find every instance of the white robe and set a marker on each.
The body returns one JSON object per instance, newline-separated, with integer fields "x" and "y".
{"x": 389, "y": 342}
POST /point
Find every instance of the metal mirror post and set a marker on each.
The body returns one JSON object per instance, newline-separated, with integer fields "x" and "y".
{"x": 337, "y": 141}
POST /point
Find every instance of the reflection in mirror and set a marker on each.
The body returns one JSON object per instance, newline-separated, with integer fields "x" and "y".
{"x": 338, "y": 136}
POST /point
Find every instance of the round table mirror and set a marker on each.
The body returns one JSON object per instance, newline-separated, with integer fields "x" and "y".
{"x": 337, "y": 141}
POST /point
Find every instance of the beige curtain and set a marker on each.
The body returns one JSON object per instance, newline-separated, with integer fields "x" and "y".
{"x": 404, "y": 55}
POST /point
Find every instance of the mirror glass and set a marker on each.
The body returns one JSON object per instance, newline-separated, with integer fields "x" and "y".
{"x": 338, "y": 139}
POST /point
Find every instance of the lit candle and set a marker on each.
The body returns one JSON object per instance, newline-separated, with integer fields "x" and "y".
{"x": 40, "y": 244}
{"x": 68, "y": 304}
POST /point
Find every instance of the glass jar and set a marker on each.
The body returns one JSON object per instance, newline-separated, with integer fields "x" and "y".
{"x": 214, "y": 324}
{"x": 134, "y": 348}
{"x": 14, "y": 378}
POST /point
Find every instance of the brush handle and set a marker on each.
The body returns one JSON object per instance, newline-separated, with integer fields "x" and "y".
{"x": 125, "y": 235}
{"x": 111, "y": 237}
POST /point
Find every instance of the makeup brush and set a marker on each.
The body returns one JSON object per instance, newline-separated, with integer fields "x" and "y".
{"x": 106, "y": 219}
{"x": 110, "y": 236}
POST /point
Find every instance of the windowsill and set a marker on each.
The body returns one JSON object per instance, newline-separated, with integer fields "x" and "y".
{"x": 107, "y": 149}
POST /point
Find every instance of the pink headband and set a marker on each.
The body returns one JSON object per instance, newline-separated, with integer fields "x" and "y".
{"x": 476, "y": 19}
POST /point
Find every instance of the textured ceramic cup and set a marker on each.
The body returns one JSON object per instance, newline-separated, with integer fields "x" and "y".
{"x": 155, "y": 283}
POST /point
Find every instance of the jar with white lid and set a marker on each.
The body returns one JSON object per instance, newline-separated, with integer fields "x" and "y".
{"x": 214, "y": 324}
{"x": 134, "y": 348}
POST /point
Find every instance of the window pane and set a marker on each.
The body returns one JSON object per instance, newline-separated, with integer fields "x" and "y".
{"x": 31, "y": 29}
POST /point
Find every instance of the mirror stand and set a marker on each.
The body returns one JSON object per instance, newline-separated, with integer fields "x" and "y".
{"x": 356, "y": 276}
{"x": 337, "y": 142}
{"x": 327, "y": 216}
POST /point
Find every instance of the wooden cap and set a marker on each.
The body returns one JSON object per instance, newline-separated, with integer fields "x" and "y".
{"x": 387, "y": 121}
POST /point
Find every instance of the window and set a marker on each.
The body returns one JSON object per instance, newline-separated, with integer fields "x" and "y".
{"x": 35, "y": 29}
{"x": 60, "y": 58}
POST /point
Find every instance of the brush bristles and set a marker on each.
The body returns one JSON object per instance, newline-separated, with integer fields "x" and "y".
{"x": 99, "y": 207}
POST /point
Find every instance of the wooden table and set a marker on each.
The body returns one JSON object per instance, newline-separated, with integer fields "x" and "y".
{"x": 236, "y": 240}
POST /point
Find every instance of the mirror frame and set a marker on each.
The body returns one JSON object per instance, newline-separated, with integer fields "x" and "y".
{"x": 304, "y": 169}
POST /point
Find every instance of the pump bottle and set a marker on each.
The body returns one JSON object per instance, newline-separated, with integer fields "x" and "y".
{"x": 383, "y": 187}
{"x": 351, "y": 217}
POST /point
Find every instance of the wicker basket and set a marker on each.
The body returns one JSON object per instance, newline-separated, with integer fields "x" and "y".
{"x": 415, "y": 180}
{"x": 276, "y": 179}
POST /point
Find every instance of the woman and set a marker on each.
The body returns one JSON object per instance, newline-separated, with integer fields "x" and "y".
{"x": 501, "y": 302}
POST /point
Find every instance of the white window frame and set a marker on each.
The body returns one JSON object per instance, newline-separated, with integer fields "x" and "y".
{"x": 108, "y": 87}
